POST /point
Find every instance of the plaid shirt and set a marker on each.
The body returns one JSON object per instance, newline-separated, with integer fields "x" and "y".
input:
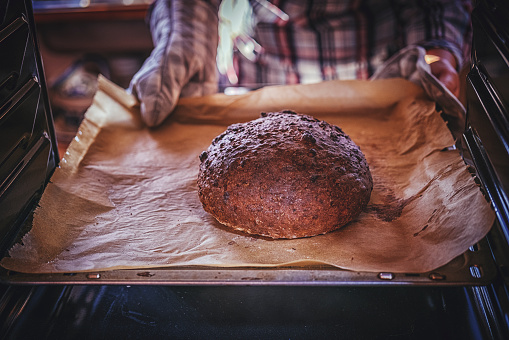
{"x": 328, "y": 39}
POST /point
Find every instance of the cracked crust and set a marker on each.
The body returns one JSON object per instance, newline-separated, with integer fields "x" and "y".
{"x": 284, "y": 175}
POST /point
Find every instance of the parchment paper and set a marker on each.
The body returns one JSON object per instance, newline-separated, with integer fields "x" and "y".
{"x": 125, "y": 196}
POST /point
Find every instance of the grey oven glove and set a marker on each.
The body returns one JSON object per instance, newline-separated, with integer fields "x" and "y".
{"x": 183, "y": 61}
{"x": 410, "y": 64}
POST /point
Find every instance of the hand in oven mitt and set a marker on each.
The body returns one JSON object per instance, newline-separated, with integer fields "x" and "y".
{"x": 183, "y": 61}
{"x": 410, "y": 64}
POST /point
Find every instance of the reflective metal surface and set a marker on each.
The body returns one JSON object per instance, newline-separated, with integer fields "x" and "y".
{"x": 250, "y": 312}
{"x": 474, "y": 267}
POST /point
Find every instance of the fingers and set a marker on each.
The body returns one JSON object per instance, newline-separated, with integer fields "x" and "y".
{"x": 444, "y": 72}
{"x": 443, "y": 66}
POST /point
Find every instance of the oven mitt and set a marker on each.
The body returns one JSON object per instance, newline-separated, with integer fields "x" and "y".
{"x": 183, "y": 61}
{"x": 409, "y": 63}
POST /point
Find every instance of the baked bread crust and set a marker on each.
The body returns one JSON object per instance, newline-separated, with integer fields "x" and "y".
{"x": 284, "y": 175}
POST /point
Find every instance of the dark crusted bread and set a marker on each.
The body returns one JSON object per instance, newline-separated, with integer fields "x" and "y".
{"x": 284, "y": 175}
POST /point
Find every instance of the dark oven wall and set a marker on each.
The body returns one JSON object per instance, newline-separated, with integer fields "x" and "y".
{"x": 28, "y": 152}
{"x": 487, "y": 132}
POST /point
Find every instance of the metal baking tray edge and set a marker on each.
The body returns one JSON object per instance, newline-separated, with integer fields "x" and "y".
{"x": 475, "y": 267}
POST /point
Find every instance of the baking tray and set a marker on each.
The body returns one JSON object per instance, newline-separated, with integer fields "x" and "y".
{"x": 475, "y": 267}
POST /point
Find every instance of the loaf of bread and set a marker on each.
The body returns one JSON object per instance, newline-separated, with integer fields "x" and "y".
{"x": 284, "y": 175}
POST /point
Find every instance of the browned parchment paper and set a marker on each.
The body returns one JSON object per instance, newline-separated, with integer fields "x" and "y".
{"x": 125, "y": 195}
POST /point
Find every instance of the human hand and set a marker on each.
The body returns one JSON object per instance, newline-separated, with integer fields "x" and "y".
{"x": 444, "y": 68}
{"x": 182, "y": 63}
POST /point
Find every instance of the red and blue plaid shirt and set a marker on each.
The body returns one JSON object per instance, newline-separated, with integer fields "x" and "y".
{"x": 334, "y": 39}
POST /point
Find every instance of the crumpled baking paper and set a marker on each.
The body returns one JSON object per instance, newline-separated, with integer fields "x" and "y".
{"x": 125, "y": 196}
